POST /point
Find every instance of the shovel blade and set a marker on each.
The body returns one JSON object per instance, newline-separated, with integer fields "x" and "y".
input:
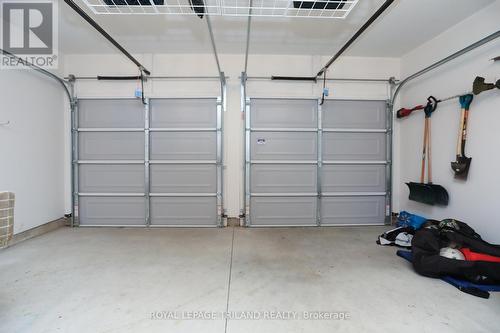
{"x": 461, "y": 167}
{"x": 442, "y": 197}
{"x": 423, "y": 193}
{"x": 430, "y": 194}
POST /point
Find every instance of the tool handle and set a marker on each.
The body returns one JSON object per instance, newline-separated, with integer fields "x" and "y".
{"x": 424, "y": 152}
{"x": 464, "y": 132}
{"x": 403, "y": 112}
{"x": 429, "y": 152}
{"x": 460, "y": 132}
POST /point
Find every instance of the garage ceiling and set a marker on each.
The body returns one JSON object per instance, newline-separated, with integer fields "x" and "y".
{"x": 406, "y": 25}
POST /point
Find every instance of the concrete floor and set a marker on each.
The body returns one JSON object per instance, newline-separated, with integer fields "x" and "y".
{"x": 136, "y": 280}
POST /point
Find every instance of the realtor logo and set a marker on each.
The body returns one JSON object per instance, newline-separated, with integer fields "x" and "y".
{"x": 29, "y": 31}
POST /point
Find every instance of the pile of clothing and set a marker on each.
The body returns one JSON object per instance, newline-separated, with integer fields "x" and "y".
{"x": 445, "y": 248}
{"x": 406, "y": 226}
{"x": 452, "y": 248}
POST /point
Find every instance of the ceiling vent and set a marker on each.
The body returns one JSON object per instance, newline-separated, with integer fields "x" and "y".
{"x": 324, "y": 9}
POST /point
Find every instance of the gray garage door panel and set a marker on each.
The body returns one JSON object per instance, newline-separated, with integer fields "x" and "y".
{"x": 353, "y": 178}
{"x": 275, "y": 178}
{"x": 354, "y": 114}
{"x": 183, "y": 113}
{"x": 184, "y": 211}
{"x": 284, "y": 113}
{"x": 282, "y": 162}
{"x": 183, "y": 145}
{"x": 114, "y": 175}
{"x": 354, "y": 146}
{"x": 283, "y": 211}
{"x": 283, "y": 146}
{"x": 183, "y": 178}
{"x": 353, "y": 210}
{"x": 111, "y": 146}
{"x": 95, "y": 113}
{"x": 111, "y": 178}
{"x": 112, "y": 211}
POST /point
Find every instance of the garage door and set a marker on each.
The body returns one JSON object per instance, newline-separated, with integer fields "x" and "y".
{"x": 309, "y": 164}
{"x": 148, "y": 165}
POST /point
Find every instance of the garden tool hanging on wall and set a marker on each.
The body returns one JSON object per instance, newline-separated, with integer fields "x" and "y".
{"x": 462, "y": 165}
{"x": 478, "y": 86}
{"x": 404, "y": 112}
{"x": 428, "y": 193}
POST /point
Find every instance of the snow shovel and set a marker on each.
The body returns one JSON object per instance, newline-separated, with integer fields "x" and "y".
{"x": 462, "y": 165}
{"x": 428, "y": 193}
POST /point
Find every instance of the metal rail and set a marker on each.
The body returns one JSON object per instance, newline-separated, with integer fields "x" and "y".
{"x": 319, "y": 162}
{"x": 249, "y": 23}
{"x": 135, "y": 78}
{"x": 219, "y": 165}
{"x": 441, "y": 62}
{"x": 222, "y": 77}
{"x": 247, "y": 164}
{"x": 45, "y": 72}
{"x": 307, "y": 78}
{"x": 103, "y": 32}
{"x": 68, "y": 86}
{"x": 244, "y": 75}
{"x": 358, "y": 33}
{"x": 394, "y": 93}
{"x": 221, "y": 109}
{"x": 245, "y": 105}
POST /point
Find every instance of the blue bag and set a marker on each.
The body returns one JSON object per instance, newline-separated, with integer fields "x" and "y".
{"x": 406, "y": 219}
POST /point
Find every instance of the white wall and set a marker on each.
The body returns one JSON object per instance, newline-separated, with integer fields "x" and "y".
{"x": 474, "y": 201}
{"x": 204, "y": 64}
{"x": 31, "y": 146}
